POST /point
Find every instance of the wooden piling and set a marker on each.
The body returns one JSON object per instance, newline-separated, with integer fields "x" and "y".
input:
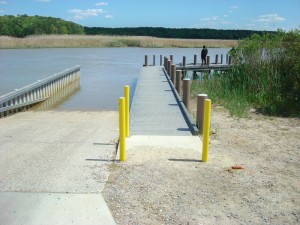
{"x": 200, "y": 111}
{"x": 186, "y": 92}
{"x": 184, "y": 61}
{"x": 172, "y": 59}
{"x": 217, "y": 59}
{"x": 146, "y": 60}
{"x": 173, "y": 73}
{"x": 195, "y": 59}
{"x": 169, "y": 67}
{"x": 178, "y": 81}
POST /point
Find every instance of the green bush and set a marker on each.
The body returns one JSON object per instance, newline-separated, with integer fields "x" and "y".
{"x": 265, "y": 75}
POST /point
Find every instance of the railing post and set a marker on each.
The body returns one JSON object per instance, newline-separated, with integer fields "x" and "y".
{"x": 183, "y": 61}
{"x": 221, "y": 58}
{"x": 153, "y": 60}
{"x": 208, "y": 60}
{"x": 186, "y": 92}
{"x": 178, "y": 81}
{"x": 172, "y": 59}
{"x": 173, "y": 73}
{"x": 195, "y": 59}
{"x": 229, "y": 60}
{"x": 200, "y": 111}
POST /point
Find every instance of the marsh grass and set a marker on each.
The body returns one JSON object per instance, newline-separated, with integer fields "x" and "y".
{"x": 96, "y": 41}
{"x": 266, "y": 76}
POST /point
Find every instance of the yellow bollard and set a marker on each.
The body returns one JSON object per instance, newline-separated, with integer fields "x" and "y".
{"x": 127, "y": 113}
{"x": 206, "y": 130}
{"x": 122, "y": 141}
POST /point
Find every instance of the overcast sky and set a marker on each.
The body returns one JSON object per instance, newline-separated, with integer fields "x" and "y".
{"x": 220, "y": 14}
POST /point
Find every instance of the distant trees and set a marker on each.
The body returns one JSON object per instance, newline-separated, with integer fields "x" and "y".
{"x": 23, "y": 25}
{"x": 185, "y": 33}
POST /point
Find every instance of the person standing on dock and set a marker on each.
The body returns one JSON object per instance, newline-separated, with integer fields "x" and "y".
{"x": 203, "y": 55}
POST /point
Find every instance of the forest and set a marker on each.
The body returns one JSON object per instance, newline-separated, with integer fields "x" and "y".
{"x": 24, "y": 25}
{"x": 181, "y": 33}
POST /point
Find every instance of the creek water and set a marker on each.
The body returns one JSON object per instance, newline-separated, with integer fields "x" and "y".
{"x": 104, "y": 71}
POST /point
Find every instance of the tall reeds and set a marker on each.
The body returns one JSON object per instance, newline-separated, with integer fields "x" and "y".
{"x": 266, "y": 76}
{"x": 96, "y": 41}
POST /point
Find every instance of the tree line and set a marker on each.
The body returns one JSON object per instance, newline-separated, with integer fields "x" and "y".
{"x": 24, "y": 25}
{"x": 182, "y": 33}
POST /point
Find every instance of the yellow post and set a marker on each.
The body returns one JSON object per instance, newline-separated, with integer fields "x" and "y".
{"x": 122, "y": 142}
{"x": 127, "y": 115}
{"x": 206, "y": 130}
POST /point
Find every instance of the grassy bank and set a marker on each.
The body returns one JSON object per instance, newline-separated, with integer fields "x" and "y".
{"x": 97, "y": 41}
{"x": 266, "y": 77}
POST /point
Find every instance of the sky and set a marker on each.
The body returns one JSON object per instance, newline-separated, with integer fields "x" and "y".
{"x": 217, "y": 14}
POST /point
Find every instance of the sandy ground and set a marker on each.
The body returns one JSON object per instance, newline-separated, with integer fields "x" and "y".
{"x": 172, "y": 186}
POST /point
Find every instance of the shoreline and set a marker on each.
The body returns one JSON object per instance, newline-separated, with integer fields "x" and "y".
{"x": 102, "y": 41}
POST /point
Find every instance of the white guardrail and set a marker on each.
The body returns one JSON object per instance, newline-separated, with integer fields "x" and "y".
{"x": 21, "y": 99}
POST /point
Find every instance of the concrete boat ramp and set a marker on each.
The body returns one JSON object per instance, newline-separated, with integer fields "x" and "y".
{"x": 54, "y": 165}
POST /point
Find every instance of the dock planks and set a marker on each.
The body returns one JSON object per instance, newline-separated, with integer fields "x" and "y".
{"x": 154, "y": 109}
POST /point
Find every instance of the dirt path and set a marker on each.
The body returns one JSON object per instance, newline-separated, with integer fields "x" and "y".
{"x": 172, "y": 186}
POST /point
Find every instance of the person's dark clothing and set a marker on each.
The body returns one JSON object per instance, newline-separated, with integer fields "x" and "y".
{"x": 204, "y": 54}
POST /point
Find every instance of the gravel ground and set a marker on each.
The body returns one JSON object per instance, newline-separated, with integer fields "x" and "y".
{"x": 172, "y": 186}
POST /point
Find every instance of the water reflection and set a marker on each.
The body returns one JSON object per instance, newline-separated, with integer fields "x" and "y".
{"x": 59, "y": 97}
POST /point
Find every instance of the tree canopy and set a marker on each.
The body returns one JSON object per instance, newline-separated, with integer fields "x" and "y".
{"x": 184, "y": 33}
{"x": 23, "y": 25}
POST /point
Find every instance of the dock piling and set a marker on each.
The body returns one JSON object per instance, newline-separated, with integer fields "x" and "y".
{"x": 178, "y": 81}
{"x": 186, "y": 92}
{"x": 207, "y": 60}
{"x": 169, "y": 67}
{"x": 173, "y": 73}
{"x": 146, "y": 60}
{"x": 195, "y": 59}
{"x": 200, "y": 111}
{"x": 217, "y": 59}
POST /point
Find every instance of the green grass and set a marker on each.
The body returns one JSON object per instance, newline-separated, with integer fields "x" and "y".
{"x": 270, "y": 84}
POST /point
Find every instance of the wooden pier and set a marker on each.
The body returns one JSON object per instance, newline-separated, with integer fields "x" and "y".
{"x": 156, "y": 107}
{"x": 200, "y": 68}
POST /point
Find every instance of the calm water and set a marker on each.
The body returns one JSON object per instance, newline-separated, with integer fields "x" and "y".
{"x": 104, "y": 71}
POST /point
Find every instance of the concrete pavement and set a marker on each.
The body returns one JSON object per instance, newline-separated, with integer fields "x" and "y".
{"x": 52, "y": 161}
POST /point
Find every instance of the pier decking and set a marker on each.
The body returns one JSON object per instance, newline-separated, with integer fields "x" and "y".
{"x": 155, "y": 110}
{"x": 200, "y": 67}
